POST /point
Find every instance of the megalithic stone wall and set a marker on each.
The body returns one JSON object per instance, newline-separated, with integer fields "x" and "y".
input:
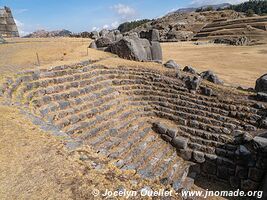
{"x": 8, "y": 27}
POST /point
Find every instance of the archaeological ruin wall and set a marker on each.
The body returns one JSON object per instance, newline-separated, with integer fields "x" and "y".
{"x": 148, "y": 121}
{"x": 8, "y": 27}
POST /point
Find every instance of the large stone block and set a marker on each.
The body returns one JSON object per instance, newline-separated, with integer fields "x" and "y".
{"x": 261, "y": 84}
{"x": 180, "y": 142}
{"x": 256, "y": 174}
{"x": 222, "y": 172}
{"x": 249, "y": 185}
{"x": 198, "y": 156}
{"x": 156, "y": 51}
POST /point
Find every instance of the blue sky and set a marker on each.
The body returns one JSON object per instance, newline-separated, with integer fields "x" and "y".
{"x": 87, "y": 15}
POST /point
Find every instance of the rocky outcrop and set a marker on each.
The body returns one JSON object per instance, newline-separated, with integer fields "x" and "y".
{"x": 8, "y": 27}
{"x": 131, "y": 46}
{"x": 243, "y": 31}
{"x": 240, "y": 41}
{"x": 136, "y": 49}
{"x": 181, "y": 26}
{"x": 46, "y": 34}
{"x": 103, "y": 42}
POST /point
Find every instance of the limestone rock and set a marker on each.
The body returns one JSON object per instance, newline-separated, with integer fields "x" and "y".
{"x": 93, "y": 45}
{"x": 192, "y": 83}
{"x": 103, "y": 32}
{"x": 189, "y": 69}
{"x": 211, "y": 77}
{"x": 94, "y": 35}
{"x": 156, "y": 51}
{"x": 136, "y": 49}
{"x": 180, "y": 142}
{"x": 151, "y": 35}
{"x": 103, "y": 42}
{"x": 261, "y": 84}
{"x": 171, "y": 64}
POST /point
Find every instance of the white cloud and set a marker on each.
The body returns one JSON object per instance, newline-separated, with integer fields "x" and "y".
{"x": 19, "y": 11}
{"x": 124, "y": 12}
{"x": 213, "y": 2}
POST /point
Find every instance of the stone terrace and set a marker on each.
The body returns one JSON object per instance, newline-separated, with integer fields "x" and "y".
{"x": 114, "y": 109}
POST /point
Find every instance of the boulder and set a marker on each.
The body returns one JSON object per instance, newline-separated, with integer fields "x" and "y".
{"x": 172, "y": 64}
{"x": 211, "y": 77}
{"x": 262, "y": 96}
{"x": 261, "y": 84}
{"x": 2, "y": 40}
{"x": 192, "y": 83}
{"x": 93, "y": 45}
{"x": 206, "y": 91}
{"x": 117, "y": 32}
{"x": 118, "y": 37}
{"x": 103, "y": 32}
{"x": 151, "y": 35}
{"x": 103, "y": 42}
{"x": 156, "y": 51}
{"x": 131, "y": 35}
{"x": 94, "y": 35}
{"x": 189, "y": 69}
{"x": 111, "y": 36}
{"x": 180, "y": 142}
{"x": 133, "y": 48}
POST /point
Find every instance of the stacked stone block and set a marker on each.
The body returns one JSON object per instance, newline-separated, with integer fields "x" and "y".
{"x": 114, "y": 110}
{"x": 8, "y": 26}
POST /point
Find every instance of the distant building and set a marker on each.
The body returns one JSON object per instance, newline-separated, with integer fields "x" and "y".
{"x": 8, "y": 27}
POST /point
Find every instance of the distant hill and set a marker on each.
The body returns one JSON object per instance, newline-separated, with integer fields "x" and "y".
{"x": 182, "y": 26}
{"x": 44, "y": 34}
{"x": 215, "y": 7}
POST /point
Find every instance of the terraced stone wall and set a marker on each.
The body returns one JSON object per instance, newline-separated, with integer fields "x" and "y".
{"x": 115, "y": 110}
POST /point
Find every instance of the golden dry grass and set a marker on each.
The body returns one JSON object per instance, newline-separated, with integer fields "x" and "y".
{"x": 235, "y": 65}
{"x": 35, "y": 165}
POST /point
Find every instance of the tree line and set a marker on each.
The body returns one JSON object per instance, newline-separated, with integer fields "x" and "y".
{"x": 250, "y": 7}
{"x": 127, "y": 26}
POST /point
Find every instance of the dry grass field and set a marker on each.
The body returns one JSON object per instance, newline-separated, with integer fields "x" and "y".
{"x": 235, "y": 65}
{"x": 32, "y": 162}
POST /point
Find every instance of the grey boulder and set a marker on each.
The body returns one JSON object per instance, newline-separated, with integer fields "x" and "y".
{"x": 171, "y": 64}
{"x": 93, "y": 45}
{"x": 103, "y": 42}
{"x": 261, "y": 84}
{"x": 211, "y": 77}
{"x": 190, "y": 69}
{"x": 94, "y": 35}
{"x": 103, "y": 32}
{"x": 192, "y": 83}
{"x": 136, "y": 49}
